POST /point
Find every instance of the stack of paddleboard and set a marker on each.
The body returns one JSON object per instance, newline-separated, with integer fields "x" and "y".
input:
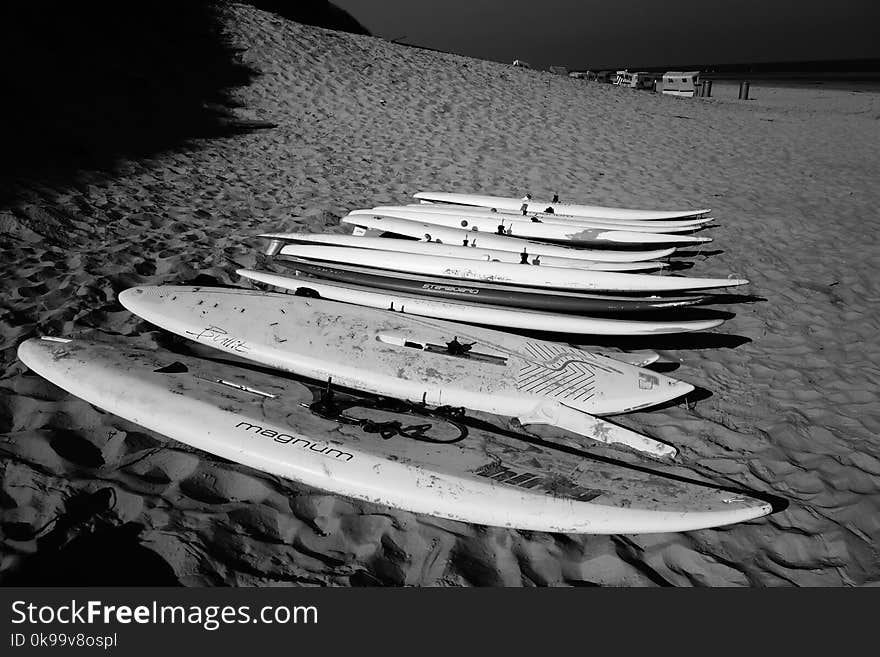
{"x": 494, "y": 267}
{"x": 418, "y": 453}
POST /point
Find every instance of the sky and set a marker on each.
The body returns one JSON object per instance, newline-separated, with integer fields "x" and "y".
{"x": 583, "y": 34}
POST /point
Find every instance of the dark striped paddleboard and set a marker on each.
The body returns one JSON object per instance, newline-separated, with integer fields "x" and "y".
{"x": 486, "y": 293}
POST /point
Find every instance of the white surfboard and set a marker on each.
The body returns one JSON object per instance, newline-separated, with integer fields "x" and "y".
{"x": 549, "y": 232}
{"x": 505, "y": 273}
{"x": 416, "y": 359}
{"x": 464, "y": 211}
{"x": 512, "y": 203}
{"x": 484, "y": 315}
{"x": 464, "y": 237}
{"x": 451, "y": 208}
{"x": 452, "y": 251}
{"x": 263, "y": 422}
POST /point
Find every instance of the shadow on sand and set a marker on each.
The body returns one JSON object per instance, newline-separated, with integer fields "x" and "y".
{"x": 673, "y": 341}
{"x": 70, "y": 553}
{"x": 87, "y": 85}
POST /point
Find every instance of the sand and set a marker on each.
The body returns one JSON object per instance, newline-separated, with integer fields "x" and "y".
{"x": 791, "y": 380}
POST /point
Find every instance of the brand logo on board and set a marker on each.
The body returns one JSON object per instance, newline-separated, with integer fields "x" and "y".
{"x": 555, "y": 484}
{"x": 219, "y": 336}
{"x": 295, "y": 441}
{"x": 450, "y": 288}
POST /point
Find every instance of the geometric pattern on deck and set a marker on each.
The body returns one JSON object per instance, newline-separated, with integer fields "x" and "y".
{"x": 560, "y": 372}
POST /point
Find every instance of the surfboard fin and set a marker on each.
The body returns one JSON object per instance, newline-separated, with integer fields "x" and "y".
{"x": 558, "y": 415}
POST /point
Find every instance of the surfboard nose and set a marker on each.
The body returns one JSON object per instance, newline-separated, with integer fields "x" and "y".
{"x": 658, "y": 389}
{"x": 671, "y": 389}
{"x": 142, "y": 300}
{"x": 130, "y": 294}
{"x": 682, "y": 388}
{"x": 646, "y": 390}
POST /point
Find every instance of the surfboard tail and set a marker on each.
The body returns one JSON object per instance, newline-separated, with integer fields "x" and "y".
{"x": 274, "y": 246}
{"x": 592, "y": 428}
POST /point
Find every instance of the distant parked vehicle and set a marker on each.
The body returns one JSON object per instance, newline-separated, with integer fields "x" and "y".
{"x": 637, "y": 80}
{"x": 578, "y": 75}
{"x": 679, "y": 83}
{"x": 624, "y": 78}
{"x": 520, "y": 63}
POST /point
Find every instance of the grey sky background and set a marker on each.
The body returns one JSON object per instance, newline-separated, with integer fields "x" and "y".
{"x": 606, "y": 33}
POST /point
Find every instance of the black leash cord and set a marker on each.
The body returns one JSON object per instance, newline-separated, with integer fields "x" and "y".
{"x": 329, "y": 408}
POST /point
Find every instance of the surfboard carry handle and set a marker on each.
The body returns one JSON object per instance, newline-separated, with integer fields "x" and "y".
{"x": 457, "y": 348}
{"x": 453, "y": 348}
{"x": 559, "y": 415}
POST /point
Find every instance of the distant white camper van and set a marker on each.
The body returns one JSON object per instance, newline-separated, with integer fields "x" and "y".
{"x": 679, "y": 83}
{"x": 520, "y": 63}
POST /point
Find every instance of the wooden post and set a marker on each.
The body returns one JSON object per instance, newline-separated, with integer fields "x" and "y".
{"x": 746, "y": 90}
{"x": 708, "y": 84}
{"x": 740, "y": 96}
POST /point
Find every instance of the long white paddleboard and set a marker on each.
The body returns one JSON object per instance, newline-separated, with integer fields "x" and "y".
{"x": 452, "y": 251}
{"x": 421, "y": 360}
{"x": 485, "y": 315}
{"x": 505, "y": 273}
{"x": 505, "y": 219}
{"x": 548, "y": 232}
{"x": 511, "y": 203}
{"x": 471, "y": 210}
{"x": 464, "y": 237}
{"x": 477, "y": 476}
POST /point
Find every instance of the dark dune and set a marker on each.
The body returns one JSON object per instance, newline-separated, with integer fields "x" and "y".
{"x": 89, "y": 84}
{"x": 313, "y": 12}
